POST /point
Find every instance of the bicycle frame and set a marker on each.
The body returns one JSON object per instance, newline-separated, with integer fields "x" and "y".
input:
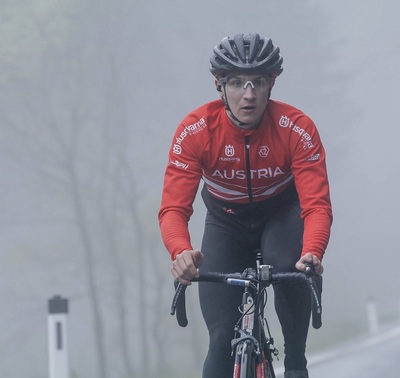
{"x": 253, "y": 358}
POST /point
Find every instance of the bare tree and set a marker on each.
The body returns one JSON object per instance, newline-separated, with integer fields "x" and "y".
{"x": 73, "y": 131}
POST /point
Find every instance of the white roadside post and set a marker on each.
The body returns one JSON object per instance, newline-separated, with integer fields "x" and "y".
{"x": 57, "y": 337}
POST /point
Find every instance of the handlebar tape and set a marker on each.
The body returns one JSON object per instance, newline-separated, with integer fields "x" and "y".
{"x": 315, "y": 283}
{"x": 179, "y": 304}
{"x": 316, "y": 291}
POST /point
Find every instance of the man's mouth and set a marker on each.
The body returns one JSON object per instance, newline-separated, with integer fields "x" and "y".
{"x": 248, "y": 108}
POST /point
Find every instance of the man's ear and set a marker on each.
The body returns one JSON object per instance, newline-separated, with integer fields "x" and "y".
{"x": 272, "y": 82}
{"x": 218, "y": 85}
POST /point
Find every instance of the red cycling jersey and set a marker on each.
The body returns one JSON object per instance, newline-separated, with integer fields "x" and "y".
{"x": 244, "y": 166}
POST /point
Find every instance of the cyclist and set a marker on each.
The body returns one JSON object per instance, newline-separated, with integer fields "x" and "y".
{"x": 265, "y": 186}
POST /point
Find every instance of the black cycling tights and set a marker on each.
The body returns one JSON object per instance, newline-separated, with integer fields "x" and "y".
{"x": 228, "y": 246}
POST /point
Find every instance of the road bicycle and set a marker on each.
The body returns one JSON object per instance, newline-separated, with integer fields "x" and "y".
{"x": 252, "y": 344}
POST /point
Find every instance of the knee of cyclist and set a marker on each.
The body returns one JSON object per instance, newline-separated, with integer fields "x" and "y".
{"x": 220, "y": 339}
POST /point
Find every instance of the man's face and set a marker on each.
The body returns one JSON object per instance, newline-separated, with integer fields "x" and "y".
{"x": 247, "y": 96}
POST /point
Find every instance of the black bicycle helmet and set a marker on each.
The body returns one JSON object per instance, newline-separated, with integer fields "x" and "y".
{"x": 247, "y": 53}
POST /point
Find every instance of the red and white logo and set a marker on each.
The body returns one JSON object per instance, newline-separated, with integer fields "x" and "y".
{"x": 263, "y": 151}
{"x": 229, "y": 150}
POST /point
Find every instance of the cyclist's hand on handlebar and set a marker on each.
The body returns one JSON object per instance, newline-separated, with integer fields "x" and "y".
{"x": 311, "y": 259}
{"x": 184, "y": 268}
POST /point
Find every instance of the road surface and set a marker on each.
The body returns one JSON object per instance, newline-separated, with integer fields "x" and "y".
{"x": 375, "y": 357}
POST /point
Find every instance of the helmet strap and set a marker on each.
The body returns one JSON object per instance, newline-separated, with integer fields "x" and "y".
{"x": 228, "y": 108}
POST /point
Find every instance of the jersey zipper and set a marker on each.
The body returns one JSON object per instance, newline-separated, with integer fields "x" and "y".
{"x": 248, "y": 170}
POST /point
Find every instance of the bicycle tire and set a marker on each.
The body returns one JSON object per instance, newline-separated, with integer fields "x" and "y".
{"x": 248, "y": 363}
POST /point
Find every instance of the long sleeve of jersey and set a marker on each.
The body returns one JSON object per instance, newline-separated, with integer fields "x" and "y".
{"x": 181, "y": 182}
{"x": 310, "y": 174}
{"x": 181, "y": 189}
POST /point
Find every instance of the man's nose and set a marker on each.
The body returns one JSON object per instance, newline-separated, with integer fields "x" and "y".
{"x": 247, "y": 84}
{"x": 249, "y": 90}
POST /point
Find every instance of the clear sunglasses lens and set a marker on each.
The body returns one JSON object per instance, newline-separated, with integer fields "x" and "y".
{"x": 238, "y": 83}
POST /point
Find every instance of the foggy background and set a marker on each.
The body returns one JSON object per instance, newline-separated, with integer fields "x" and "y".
{"x": 90, "y": 95}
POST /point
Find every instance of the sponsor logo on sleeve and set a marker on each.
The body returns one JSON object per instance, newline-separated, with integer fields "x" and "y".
{"x": 285, "y": 121}
{"x": 188, "y": 130}
{"x": 179, "y": 164}
{"x": 314, "y": 157}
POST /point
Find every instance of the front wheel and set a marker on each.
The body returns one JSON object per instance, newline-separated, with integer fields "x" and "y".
{"x": 245, "y": 364}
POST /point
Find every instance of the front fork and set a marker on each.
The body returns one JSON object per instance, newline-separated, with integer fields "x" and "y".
{"x": 245, "y": 335}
